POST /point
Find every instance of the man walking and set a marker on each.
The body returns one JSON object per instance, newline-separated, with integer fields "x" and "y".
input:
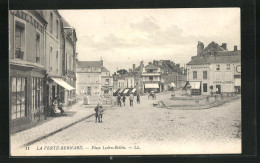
{"x": 119, "y": 100}
{"x": 124, "y": 99}
{"x": 138, "y": 98}
{"x": 131, "y": 98}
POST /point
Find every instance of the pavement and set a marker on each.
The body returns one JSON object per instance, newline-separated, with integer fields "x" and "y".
{"x": 148, "y": 129}
{"x": 75, "y": 114}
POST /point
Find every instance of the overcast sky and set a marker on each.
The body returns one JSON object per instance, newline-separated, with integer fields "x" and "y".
{"x": 125, "y": 37}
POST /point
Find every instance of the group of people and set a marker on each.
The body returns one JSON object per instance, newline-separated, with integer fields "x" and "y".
{"x": 131, "y": 99}
{"x": 56, "y": 108}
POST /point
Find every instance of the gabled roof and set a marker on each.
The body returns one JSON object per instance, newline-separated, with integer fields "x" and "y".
{"x": 151, "y": 67}
{"x": 213, "y": 47}
{"x": 103, "y": 69}
{"x": 86, "y": 64}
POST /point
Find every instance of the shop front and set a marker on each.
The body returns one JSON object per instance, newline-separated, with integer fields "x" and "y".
{"x": 27, "y": 93}
{"x": 148, "y": 87}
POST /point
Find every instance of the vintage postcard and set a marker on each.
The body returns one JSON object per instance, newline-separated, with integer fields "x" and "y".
{"x": 125, "y": 82}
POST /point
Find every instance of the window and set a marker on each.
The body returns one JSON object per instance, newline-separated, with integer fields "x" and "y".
{"x": 19, "y": 40}
{"x": 107, "y": 81}
{"x": 150, "y": 78}
{"x": 51, "y": 22}
{"x": 37, "y": 94}
{"x": 228, "y": 66}
{"x": 217, "y": 67}
{"x": 205, "y": 87}
{"x": 194, "y": 74}
{"x": 37, "y": 48}
{"x": 57, "y": 29}
{"x": 205, "y": 74}
{"x": 18, "y": 97}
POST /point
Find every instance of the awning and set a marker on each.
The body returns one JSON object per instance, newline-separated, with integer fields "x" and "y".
{"x": 133, "y": 90}
{"x": 62, "y": 83}
{"x": 237, "y": 82}
{"x": 172, "y": 85}
{"x": 195, "y": 85}
{"x": 151, "y": 85}
{"x": 126, "y": 90}
{"x": 121, "y": 91}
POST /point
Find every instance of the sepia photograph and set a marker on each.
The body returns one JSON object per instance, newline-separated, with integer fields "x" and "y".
{"x": 89, "y": 82}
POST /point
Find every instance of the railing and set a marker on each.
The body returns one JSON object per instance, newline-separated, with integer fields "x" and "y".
{"x": 19, "y": 54}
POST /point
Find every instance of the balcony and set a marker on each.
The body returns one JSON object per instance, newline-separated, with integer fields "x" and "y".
{"x": 19, "y": 54}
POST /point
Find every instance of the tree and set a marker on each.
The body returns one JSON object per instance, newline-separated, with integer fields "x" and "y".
{"x": 122, "y": 71}
{"x": 211, "y": 88}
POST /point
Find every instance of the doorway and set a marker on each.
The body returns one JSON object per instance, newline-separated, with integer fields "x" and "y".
{"x": 218, "y": 87}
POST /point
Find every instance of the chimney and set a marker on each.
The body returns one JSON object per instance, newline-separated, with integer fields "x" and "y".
{"x": 101, "y": 61}
{"x": 235, "y": 48}
{"x": 200, "y": 47}
{"x": 224, "y": 46}
{"x": 154, "y": 62}
{"x": 150, "y": 63}
{"x": 133, "y": 66}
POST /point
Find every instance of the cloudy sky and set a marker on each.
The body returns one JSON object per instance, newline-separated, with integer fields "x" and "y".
{"x": 125, "y": 37}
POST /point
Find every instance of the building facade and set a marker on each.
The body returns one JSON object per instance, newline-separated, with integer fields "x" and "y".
{"x": 88, "y": 74}
{"x": 106, "y": 82}
{"x": 27, "y": 71}
{"x": 69, "y": 56}
{"x": 214, "y": 69}
{"x": 151, "y": 78}
{"x": 53, "y": 55}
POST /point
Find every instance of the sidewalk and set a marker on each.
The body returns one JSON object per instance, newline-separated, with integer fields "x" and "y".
{"x": 75, "y": 114}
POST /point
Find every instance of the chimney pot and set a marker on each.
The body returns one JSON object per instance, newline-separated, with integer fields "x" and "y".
{"x": 224, "y": 46}
{"x": 133, "y": 66}
{"x": 235, "y": 48}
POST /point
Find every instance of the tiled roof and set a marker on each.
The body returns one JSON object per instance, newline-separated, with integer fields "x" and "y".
{"x": 103, "y": 69}
{"x": 85, "y": 64}
{"x": 224, "y": 57}
{"x": 214, "y": 47}
{"x": 151, "y": 66}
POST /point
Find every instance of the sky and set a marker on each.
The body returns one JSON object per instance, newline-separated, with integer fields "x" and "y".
{"x": 123, "y": 37}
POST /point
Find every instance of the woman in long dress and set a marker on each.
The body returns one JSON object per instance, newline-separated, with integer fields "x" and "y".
{"x": 86, "y": 99}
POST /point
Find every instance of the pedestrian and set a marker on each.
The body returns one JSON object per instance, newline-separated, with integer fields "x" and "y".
{"x": 138, "y": 98}
{"x": 123, "y": 99}
{"x": 131, "y": 99}
{"x": 96, "y": 110}
{"x": 86, "y": 99}
{"x": 119, "y": 100}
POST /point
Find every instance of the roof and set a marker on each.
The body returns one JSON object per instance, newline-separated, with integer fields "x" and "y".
{"x": 85, "y": 64}
{"x": 151, "y": 66}
{"x": 103, "y": 69}
{"x": 224, "y": 57}
{"x": 65, "y": 23}
{"x": 213, "y": 47}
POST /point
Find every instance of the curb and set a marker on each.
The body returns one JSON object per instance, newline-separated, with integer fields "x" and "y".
{"x": 59, "y": 130}
{"x": 205, "y": 106}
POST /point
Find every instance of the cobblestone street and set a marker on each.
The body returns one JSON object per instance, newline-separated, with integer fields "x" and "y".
{"x": 155, "y": 130}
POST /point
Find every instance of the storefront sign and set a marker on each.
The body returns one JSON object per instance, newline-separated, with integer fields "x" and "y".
{"x": 28, "y": 18}
{"x": 225, "y": 82}
{"x": 200, "y": 67}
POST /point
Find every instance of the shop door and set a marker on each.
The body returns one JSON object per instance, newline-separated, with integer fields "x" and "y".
{"x": 53, "y": 92}
{"x": 218, "y": 87}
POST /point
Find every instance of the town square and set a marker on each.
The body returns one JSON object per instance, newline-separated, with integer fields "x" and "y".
{"x": 124, "y": 86}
